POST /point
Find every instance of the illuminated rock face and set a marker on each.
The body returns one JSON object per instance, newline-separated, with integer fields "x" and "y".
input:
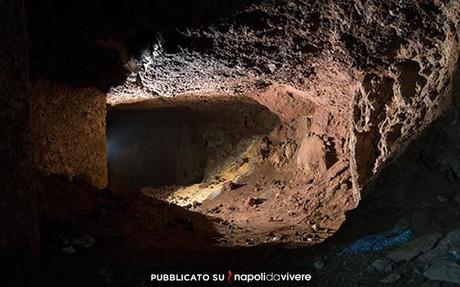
{"x": 381, "y": 70}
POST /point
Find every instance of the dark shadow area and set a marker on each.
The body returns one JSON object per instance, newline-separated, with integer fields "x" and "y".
{"x": 418, "y": 190}
{"x": 175, "y": 141}
{"x": 87, "y": 42}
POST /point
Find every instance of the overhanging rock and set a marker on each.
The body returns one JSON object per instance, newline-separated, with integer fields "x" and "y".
{"x": 379, "y": 71}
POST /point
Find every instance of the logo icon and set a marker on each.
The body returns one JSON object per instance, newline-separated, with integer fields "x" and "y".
{"x": 229, "y": 276}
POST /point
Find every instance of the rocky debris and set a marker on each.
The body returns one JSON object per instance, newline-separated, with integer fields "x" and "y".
{"x": 85, "y": 241}
{"x": 69, "y": 250}
{"x": 267, "y": 194}
{"x": 305, "y": 237}
{"x": 414, "y": 248}
{"x": 434, "y": 256}
{"x": 231, "y": 185}
{"x": 311, "y": 155}
{"x": 254, "y": 201}
{"x": 276, "y": 238}
{"x": 275, "y": 219}
{"x": 195, "y": 204}
{"x": 391, "y": 279}
{"x": 315, "y": 227}
{"x": 319, "y": 264}
{"x": 448, "y": 244}
{"x": 378, "y": 242}
{"x": 444, "y": 271}
{"x": 382, "y": 265}
{"x": 216, "y": 209}
{"x": 276, "y": 160}
{"x": 289, "y": 149}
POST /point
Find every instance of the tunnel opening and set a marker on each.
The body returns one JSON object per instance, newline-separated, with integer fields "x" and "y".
{"x": 183, "y": 140}
{"x": 263, "y": 166}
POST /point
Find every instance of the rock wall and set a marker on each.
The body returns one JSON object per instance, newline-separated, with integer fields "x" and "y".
{"x": 19, "y": 236}
{"x": 380, "y": 71}
{"x": 68, "y": 131}
{"x": 412, "y": 86}
{"x": 399, "y": 58}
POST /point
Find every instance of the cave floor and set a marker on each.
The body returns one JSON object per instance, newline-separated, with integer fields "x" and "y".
{"x": 419, "y": 193}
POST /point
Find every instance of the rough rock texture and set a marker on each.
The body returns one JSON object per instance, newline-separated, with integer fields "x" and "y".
{"x": 19, "y": 235}
{"x": 179, "y": 141}
{"x": 399, "y": 56}
{"x": 68, "y": 131}
{"x": 411, "y": 83}
{"x": 381, "y": 68}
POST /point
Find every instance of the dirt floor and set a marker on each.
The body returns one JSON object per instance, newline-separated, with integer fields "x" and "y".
{"x": 114, "y": 238}
{"x": 104, "y": 238}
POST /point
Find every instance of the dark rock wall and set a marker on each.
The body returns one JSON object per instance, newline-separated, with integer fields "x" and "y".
{"x": 19, "y": 235}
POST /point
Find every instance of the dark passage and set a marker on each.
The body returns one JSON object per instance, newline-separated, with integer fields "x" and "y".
{"x": 176, "y": 141}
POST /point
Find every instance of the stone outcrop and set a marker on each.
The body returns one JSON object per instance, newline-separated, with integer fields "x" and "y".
{"x": 68, "y": 131}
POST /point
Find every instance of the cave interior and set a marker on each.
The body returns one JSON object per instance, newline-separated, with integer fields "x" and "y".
{"x": 163, "y": 136}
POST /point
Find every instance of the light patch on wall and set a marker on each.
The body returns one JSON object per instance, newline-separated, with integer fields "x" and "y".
{"x": 158, "y": 73}
{"x": 229, "y": 173}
